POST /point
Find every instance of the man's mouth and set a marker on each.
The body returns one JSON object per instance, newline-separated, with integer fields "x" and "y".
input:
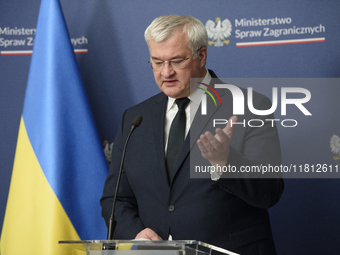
{"x": 169, "y": 82}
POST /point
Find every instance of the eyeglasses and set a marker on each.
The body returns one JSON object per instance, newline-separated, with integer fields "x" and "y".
{"x": 176, "y": 64}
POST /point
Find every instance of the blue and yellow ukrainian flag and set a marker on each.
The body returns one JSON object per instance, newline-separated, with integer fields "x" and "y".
{"x": 59, "y": 168}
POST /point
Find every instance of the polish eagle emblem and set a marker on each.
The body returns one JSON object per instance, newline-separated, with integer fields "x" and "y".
{"x": 218, "y": 31}
{"x": 335, "y": 146}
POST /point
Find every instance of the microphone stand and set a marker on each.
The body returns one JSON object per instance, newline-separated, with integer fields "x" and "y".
{"x": 112, "y": 222}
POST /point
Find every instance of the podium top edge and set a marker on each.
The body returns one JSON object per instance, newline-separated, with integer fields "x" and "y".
{"x": 132, "y": 241}
{"x": 147, "y": 243}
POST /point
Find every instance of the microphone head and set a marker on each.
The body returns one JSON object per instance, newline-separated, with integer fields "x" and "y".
{"x": 137, "y": 120}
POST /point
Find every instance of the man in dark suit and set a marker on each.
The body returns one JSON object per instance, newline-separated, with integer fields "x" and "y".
{"x": 157, "y": 197}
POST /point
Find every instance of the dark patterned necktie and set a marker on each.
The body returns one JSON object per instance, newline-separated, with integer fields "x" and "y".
{"x": 176, "y": 137}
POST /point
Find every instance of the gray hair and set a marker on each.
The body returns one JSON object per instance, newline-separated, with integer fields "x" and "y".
{"x": 162, "y": 28}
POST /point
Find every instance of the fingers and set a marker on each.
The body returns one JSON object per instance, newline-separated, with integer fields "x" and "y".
{"x": 215, "y": 148}
{"x": 204, "y": 141}
{"x": 149, "y": 234}
{"x": 208, "y": 142}
{"x": 229, "y": 128}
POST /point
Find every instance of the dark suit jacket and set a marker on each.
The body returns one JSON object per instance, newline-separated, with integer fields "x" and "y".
{"x": 230, "y": 213}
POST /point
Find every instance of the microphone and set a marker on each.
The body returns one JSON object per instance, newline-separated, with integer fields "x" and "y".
{"x": 112, "y": 222}
{"x": 136, "y": 121}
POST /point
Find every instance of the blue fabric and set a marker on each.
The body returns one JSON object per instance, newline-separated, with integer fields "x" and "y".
{"x": 60, "y": 124}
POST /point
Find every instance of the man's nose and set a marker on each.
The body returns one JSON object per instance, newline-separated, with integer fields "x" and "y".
{"x": 167, "y": 70}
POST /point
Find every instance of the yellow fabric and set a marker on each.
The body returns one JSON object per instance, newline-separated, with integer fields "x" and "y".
{"x": 35, "y": 220}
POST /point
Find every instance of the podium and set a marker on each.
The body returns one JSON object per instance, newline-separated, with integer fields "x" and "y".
{"x": 141, "y": 247}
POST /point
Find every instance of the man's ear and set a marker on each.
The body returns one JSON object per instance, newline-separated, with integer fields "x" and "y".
{"x": 202, "y": 56}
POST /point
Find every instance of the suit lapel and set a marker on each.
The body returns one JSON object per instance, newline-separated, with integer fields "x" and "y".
{"x": 199, "y": 125}
{"x": 200, "y": 121}
{"x": 158, "y": 120}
